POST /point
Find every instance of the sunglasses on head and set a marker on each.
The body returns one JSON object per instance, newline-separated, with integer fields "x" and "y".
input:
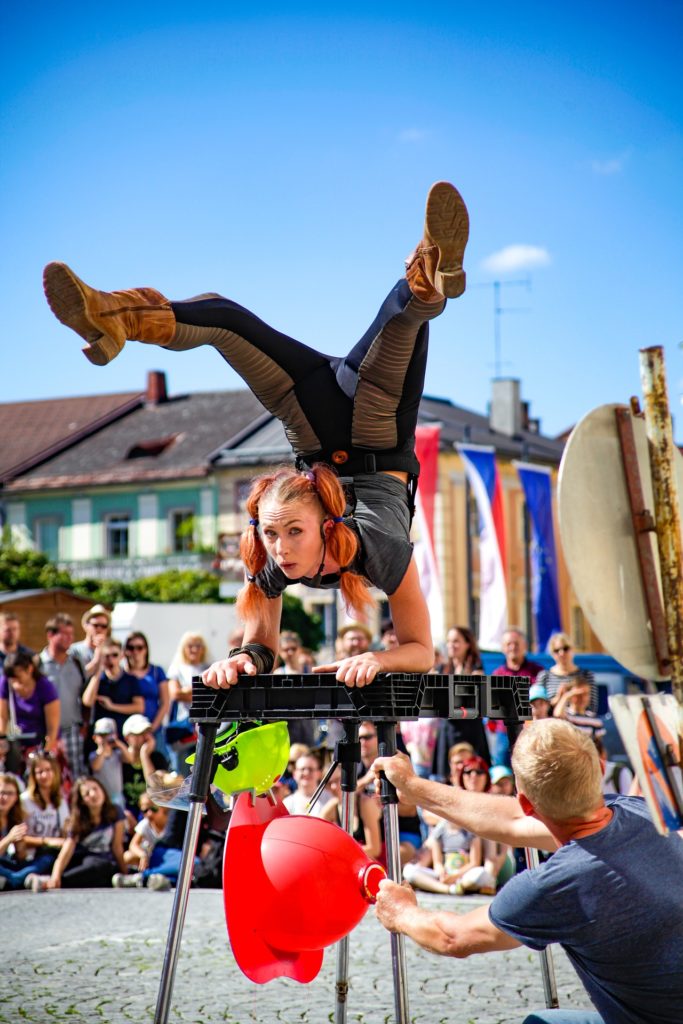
{"x": 564, "y": 648}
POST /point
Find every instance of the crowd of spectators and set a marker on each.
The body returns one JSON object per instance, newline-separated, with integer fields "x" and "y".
{"x": 85, "y": 726}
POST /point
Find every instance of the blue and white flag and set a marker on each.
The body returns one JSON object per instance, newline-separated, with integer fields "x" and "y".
{"x": 545, "y": 598}
{"x": 482, "y": 474}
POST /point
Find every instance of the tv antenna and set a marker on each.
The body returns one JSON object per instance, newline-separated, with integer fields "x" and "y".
{"x": 498, "y": 310}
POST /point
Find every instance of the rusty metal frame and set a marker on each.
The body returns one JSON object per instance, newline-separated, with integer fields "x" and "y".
{"x": 643, "y": 526}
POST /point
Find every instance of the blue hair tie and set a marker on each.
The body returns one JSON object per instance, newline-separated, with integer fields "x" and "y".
{"x": 253, "y": 522}
{"x": 337, "y": 519}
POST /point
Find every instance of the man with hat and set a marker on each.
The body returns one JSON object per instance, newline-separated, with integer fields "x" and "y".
{"x": 96, "y": 623}
{"x": 352, "y": 639}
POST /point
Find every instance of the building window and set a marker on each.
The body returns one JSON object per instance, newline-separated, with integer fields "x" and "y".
{"x": 46, "y": 535}
{"x": 182, "y": 523}
{"x": 117, "y": 535}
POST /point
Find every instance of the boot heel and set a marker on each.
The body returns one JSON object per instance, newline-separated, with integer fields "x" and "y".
{"x": 451, "y": 284}
{"x": 103, "y": 350}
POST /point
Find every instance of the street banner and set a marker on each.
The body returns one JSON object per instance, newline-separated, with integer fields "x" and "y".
{"x": 545, "y": 597}
{"x": 427, "y": 451}
{"x": 482, "y": 474}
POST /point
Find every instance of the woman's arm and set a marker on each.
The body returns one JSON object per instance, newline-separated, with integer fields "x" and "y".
{"x": 51, "y": 712}
{"x": 164, "y": 705}
{"x": 266, "y": 631}
{"x": 117, "y": 845}
{"x": 4, "y": 717}
{"x": 61, "y": 864}
{"x": 415, "y": 652}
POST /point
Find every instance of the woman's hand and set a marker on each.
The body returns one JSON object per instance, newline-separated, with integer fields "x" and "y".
{"x": 360, "y": 670}
{"x": 224, "y": 674}
{"x": 16, "y": 833}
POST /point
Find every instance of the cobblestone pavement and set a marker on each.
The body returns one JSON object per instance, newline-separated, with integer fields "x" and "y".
{"x": 95, "y": 955}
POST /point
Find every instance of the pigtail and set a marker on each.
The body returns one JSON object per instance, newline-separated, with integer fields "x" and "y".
{"x": 342, "y": 542}
{"x": 251, "y": 601}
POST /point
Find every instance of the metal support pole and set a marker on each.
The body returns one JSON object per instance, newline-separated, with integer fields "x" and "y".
{"x": 199, "y": 792}
{"x": 667, "y": 511}
{"x": 386, "y": 737}
{"x": 545, "y": 955}
{"x": 347, "y": 752}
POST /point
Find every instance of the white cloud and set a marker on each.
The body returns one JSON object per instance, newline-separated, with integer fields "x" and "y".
{"x": 612, "y": 165}
{"x": 412, "y": 135}
{"x": 516, "y": 257}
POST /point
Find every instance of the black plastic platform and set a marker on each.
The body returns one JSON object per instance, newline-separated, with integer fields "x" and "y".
{"x": 391, "y": 696}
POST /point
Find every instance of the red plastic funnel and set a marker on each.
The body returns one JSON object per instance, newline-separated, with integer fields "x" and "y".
{"x": 292, "y": 885}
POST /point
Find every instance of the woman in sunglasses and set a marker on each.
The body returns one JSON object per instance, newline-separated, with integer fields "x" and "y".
{"x": 565, "y": 673}
{"x": 152, "y": 683}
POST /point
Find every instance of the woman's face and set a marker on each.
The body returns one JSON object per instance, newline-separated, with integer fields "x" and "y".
{"x": 456, "y": 646}
{"x": 561, "y": 651}
{"x": 8, "y": 797}
{"x": 194, "y": 651}
{"x": 23, "y": 682}
{"x": 474, "y": 779}
{"x": 136, "y": 651}
{"x": 92, "y": 794}
{"x": 43, "y": 773}
{"x": 291, "y": 535}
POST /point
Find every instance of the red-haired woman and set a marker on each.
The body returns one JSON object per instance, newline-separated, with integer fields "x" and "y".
{"x": 356, "y": 414}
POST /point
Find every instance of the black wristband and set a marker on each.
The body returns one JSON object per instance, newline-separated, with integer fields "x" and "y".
{"x": 262, "y": 657}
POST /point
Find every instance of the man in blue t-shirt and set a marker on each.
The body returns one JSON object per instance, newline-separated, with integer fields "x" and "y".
{"x": 612, "y": 894}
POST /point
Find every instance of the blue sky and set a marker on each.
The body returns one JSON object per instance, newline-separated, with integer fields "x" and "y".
{"x": 281, "y": 155}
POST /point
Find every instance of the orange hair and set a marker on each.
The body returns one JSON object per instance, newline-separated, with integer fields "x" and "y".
{"x": 287, "y": 485}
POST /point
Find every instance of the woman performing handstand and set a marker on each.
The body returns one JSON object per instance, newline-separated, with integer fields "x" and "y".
{"x": 342, "y": 517}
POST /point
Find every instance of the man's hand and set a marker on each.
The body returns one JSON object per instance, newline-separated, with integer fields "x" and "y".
{"x": 224, "y": 674}
{"x": 105, "y": 702}
{"x": 392, "y": 902}
{"x": 399, "y": 771}
{"x": 359, "y": 670}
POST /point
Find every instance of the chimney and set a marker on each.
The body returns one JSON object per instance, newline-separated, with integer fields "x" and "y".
{"x": 156, "y": 387}
{"x": 505, "y": 413}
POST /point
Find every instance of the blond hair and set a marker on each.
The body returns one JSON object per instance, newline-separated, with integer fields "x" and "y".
{"x": 558, "y": 769}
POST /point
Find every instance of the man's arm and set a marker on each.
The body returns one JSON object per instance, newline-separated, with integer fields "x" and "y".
{"x": 439, "y": 931}
{"x": 486, "y": 814}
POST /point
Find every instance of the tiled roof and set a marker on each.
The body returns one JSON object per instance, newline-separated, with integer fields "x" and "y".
{"x": 33, "y": 431}
{"x": 166, "y": 441}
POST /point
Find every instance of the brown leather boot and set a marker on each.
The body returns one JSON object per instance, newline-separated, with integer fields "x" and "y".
{"x": 106, "y": 320}
{"x": 434, "y": 271}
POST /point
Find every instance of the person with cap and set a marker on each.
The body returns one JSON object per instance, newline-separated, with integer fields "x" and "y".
{"x": 502, "y": 780}
{"x": 140, "y": 761}
{"x": 107, "y": 759}
{"x": 353, "y": 638}
{"x": 341, "y": 518}
{"x": 540, "y": 702}
{"x": 96, "y": 623}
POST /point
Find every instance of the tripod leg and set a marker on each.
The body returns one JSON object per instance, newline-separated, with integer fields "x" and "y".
{"x": 347, "y": 753}
{"x": 546, "y": 956}
{"x": 386, "y": 736}
{"x": 198, "y": 796}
